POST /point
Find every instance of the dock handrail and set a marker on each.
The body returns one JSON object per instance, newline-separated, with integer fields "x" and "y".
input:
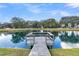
{"x": 51, "y": 36}
{"x": 48, "y": 34}
{"x": 31, "y": 37}
{"x": 39, "y": 32}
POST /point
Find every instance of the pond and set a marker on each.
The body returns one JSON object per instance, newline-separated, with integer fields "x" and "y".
{"x": 68, "y": 39}
{"x": 13, "y": 40}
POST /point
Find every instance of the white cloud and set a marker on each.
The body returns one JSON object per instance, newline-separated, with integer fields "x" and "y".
{"x": 34, "y": 8}
{"x": 73, "y": 5}
{"x": 64, "y": 13}
{"x": 60, "y": 12}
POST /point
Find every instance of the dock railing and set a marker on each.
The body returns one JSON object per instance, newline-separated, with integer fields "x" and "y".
{"x": 31, "y": 37}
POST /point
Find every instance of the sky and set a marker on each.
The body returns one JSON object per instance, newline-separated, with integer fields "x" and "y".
{"x": 37, "y": 11}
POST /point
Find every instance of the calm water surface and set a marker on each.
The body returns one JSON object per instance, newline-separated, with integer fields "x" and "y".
{"x": 67, "y": 39}
{"x": 13, "y": 40}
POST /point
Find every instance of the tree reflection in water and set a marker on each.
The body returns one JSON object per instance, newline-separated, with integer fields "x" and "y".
{"x": 55, "y": 34}
{"x": 69, "y": 38}
{"x": 18, "y": 37}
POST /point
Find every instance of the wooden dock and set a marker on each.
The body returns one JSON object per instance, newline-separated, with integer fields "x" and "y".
{"x": 40, "y": 47}
{"x": 40, "y": 41}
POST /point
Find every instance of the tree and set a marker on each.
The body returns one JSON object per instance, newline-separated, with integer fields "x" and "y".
{"x": 6, "y": 25}
{"x": 0, "y": 25}
{"x": 29, "y": 24}
{"x": 18, "y": 22}
{"x": 36, "y": 24}
{"x": 69, "y": 19}
{"x": 49, "y": 23}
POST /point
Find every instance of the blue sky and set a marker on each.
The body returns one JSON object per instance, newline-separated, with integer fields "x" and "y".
{"x": 37, "y": 11}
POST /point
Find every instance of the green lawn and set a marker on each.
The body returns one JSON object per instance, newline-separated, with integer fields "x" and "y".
{"x": 31, "y": 29}
{"x": 25, "y": 52}
{"x": 14, "y": 52}
{"x": 65, "y": 52}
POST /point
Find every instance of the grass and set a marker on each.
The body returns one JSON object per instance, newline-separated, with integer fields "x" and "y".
{"x": 25, "y": 52}
{"x": 64, "y": 52}
{"x": 14, "y": 52}
{"x": 31, "y": 29}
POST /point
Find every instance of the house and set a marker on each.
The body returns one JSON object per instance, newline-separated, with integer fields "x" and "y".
{"x": 62, "y": 25}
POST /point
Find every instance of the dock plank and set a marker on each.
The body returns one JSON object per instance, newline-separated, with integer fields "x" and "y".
{"x": 40, "y": 47}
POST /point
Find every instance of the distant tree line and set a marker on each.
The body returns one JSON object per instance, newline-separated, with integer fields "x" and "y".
{"x": 70, "y": 22}
{"x": 65, "y": 22}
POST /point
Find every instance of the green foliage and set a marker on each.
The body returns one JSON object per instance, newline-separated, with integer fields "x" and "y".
{"x": 18, "y": 22}
{"x": 70, "y": 19}
{"x": 49, "y": 23}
